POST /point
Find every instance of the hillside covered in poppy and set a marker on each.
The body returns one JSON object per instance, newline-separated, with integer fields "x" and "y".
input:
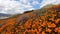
{"x": 41, "y": 21}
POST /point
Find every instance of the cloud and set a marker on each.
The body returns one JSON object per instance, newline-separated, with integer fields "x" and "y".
{"x": 57, "y": 2}
{"x": 45, "y": 2}
{"x": 19, "y": 6}
{"x": 13, "y": 6}
{"x": 35, "y": 2}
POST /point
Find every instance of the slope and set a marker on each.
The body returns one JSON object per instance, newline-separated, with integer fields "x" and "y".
{"x": 42, "y": 21}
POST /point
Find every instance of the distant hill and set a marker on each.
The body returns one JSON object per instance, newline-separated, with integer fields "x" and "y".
{"x": 4, "y": 15}
{"x": 42, "y": 21}
{"x": 47, "y": 6}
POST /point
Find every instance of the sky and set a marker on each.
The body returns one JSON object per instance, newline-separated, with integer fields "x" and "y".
{"x": 19, "y": 6}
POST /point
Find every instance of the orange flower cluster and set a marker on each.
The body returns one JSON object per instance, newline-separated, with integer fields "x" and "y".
{"x": 33, "y": 23}
{"x": 47, "y": 24}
